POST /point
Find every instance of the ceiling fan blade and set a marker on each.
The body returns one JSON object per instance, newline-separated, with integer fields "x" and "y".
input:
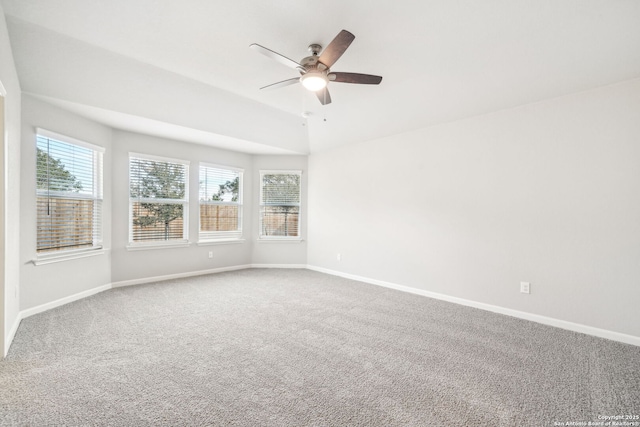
{"x": 336, "y": 48}
{"x": 363, "y": 79}
{"x": 323, "y": 96}
{"x": 282, "y": 83}
{"x": 277, "y": 57}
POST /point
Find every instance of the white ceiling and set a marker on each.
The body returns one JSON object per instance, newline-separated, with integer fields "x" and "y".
{"x": 184, "y": 69}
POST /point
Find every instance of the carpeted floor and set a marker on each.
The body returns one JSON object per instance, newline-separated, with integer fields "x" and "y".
{"x": 300, "y": 348}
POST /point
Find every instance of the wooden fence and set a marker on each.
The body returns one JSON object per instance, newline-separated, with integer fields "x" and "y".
{"x": 64, "y": 223}
{"x": 158, "y": 231}
{"x": 280, "y": 221}
{"x": 218, "y": 218}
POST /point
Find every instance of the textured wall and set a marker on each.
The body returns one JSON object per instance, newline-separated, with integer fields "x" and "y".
{"x": 545, "y": 193}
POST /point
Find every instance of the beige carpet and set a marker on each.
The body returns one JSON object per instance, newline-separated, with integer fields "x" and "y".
{"x": 300, "y": 348}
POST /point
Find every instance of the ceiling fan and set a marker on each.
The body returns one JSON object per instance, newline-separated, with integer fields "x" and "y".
{"x": 316, "y": 70}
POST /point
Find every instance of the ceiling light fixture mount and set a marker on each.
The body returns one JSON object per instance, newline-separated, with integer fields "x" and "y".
{"x": 315, "y": 49}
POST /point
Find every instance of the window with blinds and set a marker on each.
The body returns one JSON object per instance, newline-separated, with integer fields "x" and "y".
{"x": 220, "y": 197}
{"x": 280, "y": 204}
{"x": 68, "y": 194}
{"x": 158, "y": 199}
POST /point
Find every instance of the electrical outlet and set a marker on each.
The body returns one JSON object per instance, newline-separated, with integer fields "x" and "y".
{"x": 525, "y": 287}
{"x": 210, "y": 254}
{"x": 339, "y": 257}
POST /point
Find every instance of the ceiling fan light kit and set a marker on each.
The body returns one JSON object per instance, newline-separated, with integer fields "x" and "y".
{"x": 314, "y": 81}
{"x": 315, "y": 70}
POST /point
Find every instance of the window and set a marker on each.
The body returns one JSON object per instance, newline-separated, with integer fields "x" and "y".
{"x": 158, "y": 200}
{"x": 68, "y": 194}
{"x": 280, "y": 204}
{"x": 220, "y": 202}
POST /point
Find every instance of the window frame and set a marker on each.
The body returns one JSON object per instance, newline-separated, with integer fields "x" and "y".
{"x": 261, "y": 205}
{"x": 97, "y": 196}
{"x": 221, "y": 236}
{"x": 154, "y": 244}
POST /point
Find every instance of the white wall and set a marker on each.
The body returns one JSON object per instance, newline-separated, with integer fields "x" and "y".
{"x": 546, "y": 193}
{"x": 10, "y": 169}
{"x": 280, "y": 252}
{"x": 45, "y": 283}
{"x": 130, "y": 265}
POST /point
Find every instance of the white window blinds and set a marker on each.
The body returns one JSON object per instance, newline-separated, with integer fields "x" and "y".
{"x": 69, "y": 193}
{"x": 279, "y": 204}
{"x": 220, "y": 195}
{"x": 158, "y": 199}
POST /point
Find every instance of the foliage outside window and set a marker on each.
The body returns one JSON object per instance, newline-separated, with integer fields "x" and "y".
{"x": 158, "y": 199}
{"x": 280, "y": 204}
{"x": 220, "y": 195}
{"x": 68, "y": 194}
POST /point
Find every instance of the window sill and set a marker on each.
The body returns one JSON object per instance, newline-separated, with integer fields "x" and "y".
{"x": 50, "y": 259}
{"x": 280, "y": 240}
{"x": 219, "y": 242}
{"x": 147, "y": 246}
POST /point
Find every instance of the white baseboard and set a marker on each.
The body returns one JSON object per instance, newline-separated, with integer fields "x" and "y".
{"x": 12, "y": 333}
{"x": 178, "y": 276}
{"x": 62, "y": 301}
{"x": 563, "y": 324}
{"x": 278, "y": 266}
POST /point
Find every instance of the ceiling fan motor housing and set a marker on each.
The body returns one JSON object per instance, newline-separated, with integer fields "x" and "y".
{"x": 311, "y": 63}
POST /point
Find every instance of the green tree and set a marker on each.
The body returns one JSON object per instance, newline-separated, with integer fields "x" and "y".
{"x": 229, "y": 187}
{"x": 52, "y": 174}
{"x": 159, "y": 180}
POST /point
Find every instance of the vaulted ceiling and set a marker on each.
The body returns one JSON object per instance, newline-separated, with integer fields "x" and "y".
{"x": 184, "y": 69}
